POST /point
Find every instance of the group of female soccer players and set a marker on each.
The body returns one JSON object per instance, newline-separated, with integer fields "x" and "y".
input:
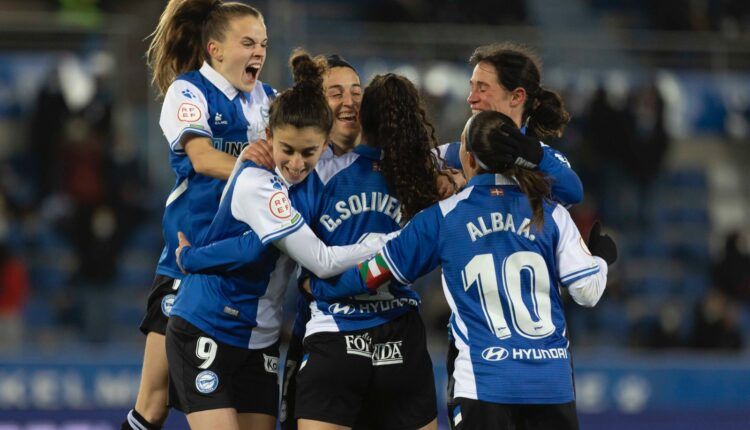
{"x": 345, "y": 184}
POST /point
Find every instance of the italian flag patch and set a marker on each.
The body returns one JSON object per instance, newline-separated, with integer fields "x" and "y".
{"x": 374, "y": 272}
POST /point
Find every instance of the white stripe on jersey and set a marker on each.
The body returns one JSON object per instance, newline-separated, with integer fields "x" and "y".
{"x": 319, "y": 322}
{"x": 451, "y": 202}
{"x": 463, "y": 373}
{"x": 177, "y": 192}
{"x": 269, "y": 316}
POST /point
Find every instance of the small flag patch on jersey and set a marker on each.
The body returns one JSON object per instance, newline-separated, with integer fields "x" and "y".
{"x": 497, "y": 192}
{"x": 374, "y": 272}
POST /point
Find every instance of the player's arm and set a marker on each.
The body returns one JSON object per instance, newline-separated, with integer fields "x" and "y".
{"x": 528, "y": 152}
{"x": 405, "y": 258}
{"x": 184, "y": 122}
{"x": 264, "y": 205}
{"x": 206, "y": 159}
{"x": 581, "y": 270}
{"x": 221, "y": 256}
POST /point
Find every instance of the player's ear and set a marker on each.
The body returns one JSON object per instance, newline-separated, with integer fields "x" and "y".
{"x": 215, "y": 50}
{"x": 518, "y": 97}
{"x": 269, "y": 135}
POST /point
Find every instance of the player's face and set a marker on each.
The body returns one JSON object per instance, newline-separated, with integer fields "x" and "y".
{"x": 485, "y": 91}
{"x": 240, "y": 56}
{"x": 344, "y": 94}
{"x": 296, "y": 151}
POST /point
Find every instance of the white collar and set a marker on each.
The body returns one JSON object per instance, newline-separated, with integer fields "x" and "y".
{"x": 219, "y": 81}
{"x": 504, "y": 180}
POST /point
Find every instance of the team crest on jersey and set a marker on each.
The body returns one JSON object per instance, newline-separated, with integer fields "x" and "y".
{"x": 188, "y": 112}
{"x": 276, "y": 183}
{"x": 376, "y": 166}
{"x": 206, "y": 382}
{"x": 189, "y": 94}
{"x": 264, "y": 113}
{"x": 279, "y": 205}
{"x": 166, "y": 304}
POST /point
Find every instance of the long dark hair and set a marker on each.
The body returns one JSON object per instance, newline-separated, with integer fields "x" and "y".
{"x": 303, "y": 105}
{"x": 519, "y": 66}
{"x": 178, "y": 44}
{"x": 394, "y": 120}
{"x": 481, "y": 139}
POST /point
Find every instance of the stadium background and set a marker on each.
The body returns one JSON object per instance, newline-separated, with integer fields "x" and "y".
{"x": 660, "y": 96}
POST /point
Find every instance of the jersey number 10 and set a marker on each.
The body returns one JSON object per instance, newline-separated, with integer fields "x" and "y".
{"x": 532, "y": 321}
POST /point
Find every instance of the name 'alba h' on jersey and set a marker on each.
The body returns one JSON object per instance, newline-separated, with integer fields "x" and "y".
{"x": 505, "y": 254}
{"x": 204, "y": 103}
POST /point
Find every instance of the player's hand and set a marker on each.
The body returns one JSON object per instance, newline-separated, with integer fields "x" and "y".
{"x": 526, "y": 151}
{"x": 259, "y": 152}
{"x": 602, "y": 245}
{"x": 446, "y": 187}
{"x": 306, "y": 286}
{"x": 182, "y": 243}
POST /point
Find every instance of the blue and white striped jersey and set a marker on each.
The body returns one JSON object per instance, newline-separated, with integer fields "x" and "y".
{"x": 501, "y": 278}
{"x": 204, "y": 103}
{"x": 352, "y": 201}
{"x": 242, "y": 307}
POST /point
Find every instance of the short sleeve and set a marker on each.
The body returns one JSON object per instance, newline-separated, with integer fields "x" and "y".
{"x": 415, "y": 251}
{"x": 261, "y": 201}
{"x": 574, "y": 260}
{"x": 184, "y": 112}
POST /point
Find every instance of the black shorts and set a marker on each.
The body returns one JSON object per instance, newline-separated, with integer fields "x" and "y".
{"x": 467, "y": 414}
{"x": 205, "y": 374}
{"x": 379, "y": 378}
{"x": 159, "y": 304}
{"x": 289, "y": 384}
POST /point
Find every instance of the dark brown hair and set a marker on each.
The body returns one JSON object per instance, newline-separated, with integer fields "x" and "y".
{"x": 519, "y": 66}
{"x": 394, "y": 120}
{"x": 305, "y": 104}
{"x": 178, "y": 44}
{"x": 481, "y": 140}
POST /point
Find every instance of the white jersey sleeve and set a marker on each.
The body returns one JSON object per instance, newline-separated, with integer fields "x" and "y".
{"x": 574, "y": 260}
{"x": 261, "y": 201}
{"x": 184, "y": 112}
{"x": 304, "y": 247}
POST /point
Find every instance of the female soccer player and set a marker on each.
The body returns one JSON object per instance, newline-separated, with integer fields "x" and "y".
{"x": 206, "y": 57}
{"x": 370, "y": 189}
{"x": 505, "y": 251}
{"x": 222, "y": 336}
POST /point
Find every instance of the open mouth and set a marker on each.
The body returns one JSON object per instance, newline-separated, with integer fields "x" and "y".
{"x": 347, "y": 117}
{"x": 252, "y": 70}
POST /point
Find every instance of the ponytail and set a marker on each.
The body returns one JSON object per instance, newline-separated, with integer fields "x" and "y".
{"x": 394, "y": 120}
{"x": 481, "y": 137}
{"x": 178, "y": 44}
{"x": 305, "y": 104}
{"x": 549, "y": 117}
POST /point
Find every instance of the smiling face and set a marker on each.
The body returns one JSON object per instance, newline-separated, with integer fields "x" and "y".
{"x": 240, "y": 56}
{"x": 296, "y": 151}
{"x": 344, "y": 95}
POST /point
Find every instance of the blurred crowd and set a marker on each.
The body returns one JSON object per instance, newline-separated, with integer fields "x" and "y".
{"x": 80, "y": 223}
